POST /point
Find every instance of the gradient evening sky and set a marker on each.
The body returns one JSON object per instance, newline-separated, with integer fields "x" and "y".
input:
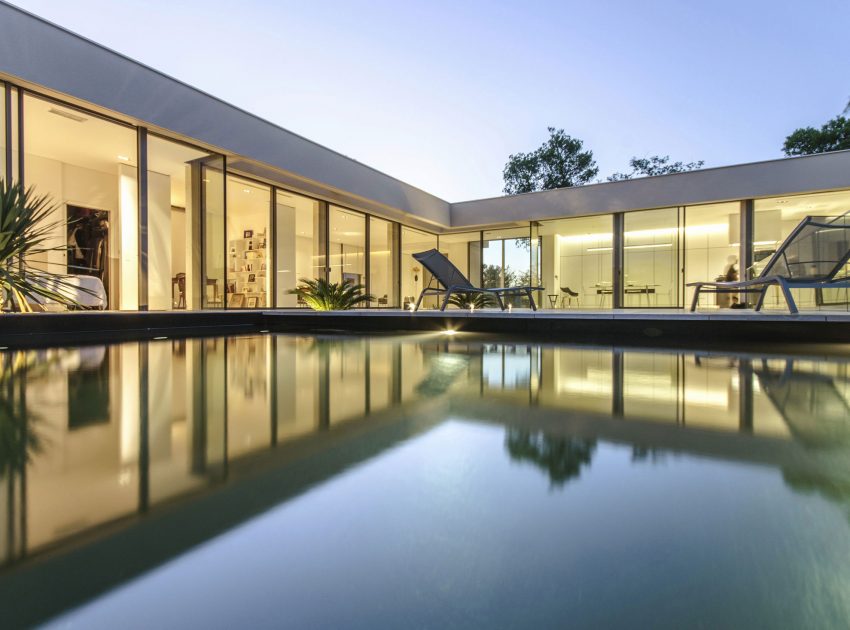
{"x": 439, "y": 93}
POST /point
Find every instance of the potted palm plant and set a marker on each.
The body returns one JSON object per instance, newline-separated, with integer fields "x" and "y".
{"x": 26, "y": 229}
{"x": 321, "y": 295}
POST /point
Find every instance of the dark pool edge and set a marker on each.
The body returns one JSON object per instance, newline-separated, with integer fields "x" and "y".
{"x": 631, "y": 329}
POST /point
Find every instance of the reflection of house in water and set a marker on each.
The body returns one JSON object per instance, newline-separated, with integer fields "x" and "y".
{"x": 245, "y": 423}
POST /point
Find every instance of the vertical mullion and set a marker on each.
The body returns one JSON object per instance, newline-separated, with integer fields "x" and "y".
{"x": 367, "y": 253}
{"x": 21, "y": 178}
{"x": 271, "y": 251}
{"x": 142, "y": 196}
{"x": 617, "y": 261}
{"x": 7, "y": 130}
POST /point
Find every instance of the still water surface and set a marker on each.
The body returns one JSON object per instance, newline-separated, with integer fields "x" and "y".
{"x": 422, "y": 481}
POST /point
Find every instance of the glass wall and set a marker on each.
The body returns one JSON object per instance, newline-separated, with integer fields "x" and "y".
{"x": 413, "y": 277}
{"x": 296, "y": 243}
{"x": 248, "y": 214}
{"x": 347, "y": 246}
{"x": 174, "y": 182}
{"x": 712, "y": 244}
{"x": 383, "y": 262}
{"x": 506, "y": 258}
{"x": 773, "y": 222}
{"x": 211, "y": 287}
{"x": 651, "y": 258}
{"x": 2, "y": 131}
{"x": 87, "y": 165}
{"x": 464, "y": 250}
{"x": 576, "y": 262}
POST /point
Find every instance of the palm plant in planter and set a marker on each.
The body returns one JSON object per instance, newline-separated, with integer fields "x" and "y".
{"x": 26, "y": 228}
{"x": 321, "y": 295}
{"x": 469, "y": 301}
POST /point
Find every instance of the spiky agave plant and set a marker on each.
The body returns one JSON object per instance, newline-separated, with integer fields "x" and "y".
{"x": 321, "y": 295}
{"x": 472, "y": 300}
{"x": 26, "y": 227}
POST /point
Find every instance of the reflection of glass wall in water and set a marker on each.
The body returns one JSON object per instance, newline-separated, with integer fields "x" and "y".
{"x": 712, "y": 243}
{"x": 651, "y": 258}
{"x": 109, "y": 431}
{"x": 774, "y": 220}
{"x": 576, "y": 258}
{"x": 347, "y": 246}
{"x": 87, "y": 165}
{"x": 248, "y": 394}
{"x": 296, "y": 242}
{"x": 248, "y": 215}
{"x": 414, "y": 277}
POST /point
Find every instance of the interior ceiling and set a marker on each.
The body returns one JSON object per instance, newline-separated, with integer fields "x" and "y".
{"x": 798, "y": 207}
{"x": 68, "y": 135}
{"x": 87, "y": 141}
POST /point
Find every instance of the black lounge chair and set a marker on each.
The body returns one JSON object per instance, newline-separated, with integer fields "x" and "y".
{"x": 453, "y": 281}
{"x": 812, "y": 257}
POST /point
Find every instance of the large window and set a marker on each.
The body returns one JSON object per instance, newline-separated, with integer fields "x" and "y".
{"x": 712, "y": 244}
{"x": 2, "y": 131}
{"x": 773, "y": 222}
{"x": 651, "y": 263}
{"x": 174, "y": 179}
{"x": 297, "y": 244}
{"x": 576, "y": 262}
{"x": 347, "y": 245}
{"x": 507, "y": 258}
{"x": 464, "y": 250}
{"x": 87, "y": 165}
{"x": 248, "y": 208}
{"x": 383, "y": 262}
{"x": 414, "y": 277}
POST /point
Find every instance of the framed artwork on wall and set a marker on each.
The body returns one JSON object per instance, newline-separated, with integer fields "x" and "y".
{"x": 248, "y": 234}
{"x": 252, "y": 302}
{"x": 237, "y": 300}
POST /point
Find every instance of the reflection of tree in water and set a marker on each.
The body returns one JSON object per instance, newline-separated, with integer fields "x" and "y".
{"x": 17, "y": 438}
{"x": 561, "y": 457}
{"x": 834, "y": 490}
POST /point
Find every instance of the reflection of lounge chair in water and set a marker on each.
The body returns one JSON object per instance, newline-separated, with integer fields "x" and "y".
{"x": 810, "y": 403}
{"x": 812, "y": 257}
{"x": 445, "y": 368}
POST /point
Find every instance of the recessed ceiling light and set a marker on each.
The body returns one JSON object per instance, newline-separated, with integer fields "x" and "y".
{"x": 123, "y": 158}
{"x": 246, "y": 190}
{"x": 68, "y": 115}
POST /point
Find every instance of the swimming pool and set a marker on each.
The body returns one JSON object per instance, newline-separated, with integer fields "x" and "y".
{"x": 422, "y": 481}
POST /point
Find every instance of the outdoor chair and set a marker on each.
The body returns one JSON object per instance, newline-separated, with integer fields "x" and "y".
{"x": 812, "y": 257}
{"x": 453, "y": 281}
{"x": 568, "y": 296}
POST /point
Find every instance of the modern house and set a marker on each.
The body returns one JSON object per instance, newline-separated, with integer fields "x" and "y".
{"x": 178, "y": 200}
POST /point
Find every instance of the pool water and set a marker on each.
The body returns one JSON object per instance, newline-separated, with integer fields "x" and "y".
{"x": 422, "y": 481}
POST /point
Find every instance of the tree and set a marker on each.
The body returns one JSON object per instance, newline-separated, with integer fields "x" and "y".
{"x": 833, "y": 136}
{"x": 655, "y": 165}
{"x": 560, "y": 162}
{"x": 562, "y": 458}
{"x": 492, "y": 276}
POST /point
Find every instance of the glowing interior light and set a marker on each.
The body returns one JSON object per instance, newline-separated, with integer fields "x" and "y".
{"x": 449, "y": 332}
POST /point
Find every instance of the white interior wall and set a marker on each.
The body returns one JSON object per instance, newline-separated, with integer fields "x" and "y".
{"x": 160, "y": 242}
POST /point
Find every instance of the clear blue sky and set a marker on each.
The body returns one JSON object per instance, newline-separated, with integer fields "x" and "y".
{"x": 439, "y": 93}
